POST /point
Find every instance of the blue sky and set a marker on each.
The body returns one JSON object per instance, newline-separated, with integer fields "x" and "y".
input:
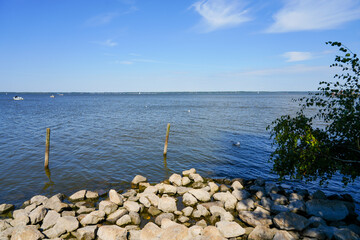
{"x": 177, "y": 45}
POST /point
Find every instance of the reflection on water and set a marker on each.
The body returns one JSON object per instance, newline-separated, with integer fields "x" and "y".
{"x": 101, "y": 141}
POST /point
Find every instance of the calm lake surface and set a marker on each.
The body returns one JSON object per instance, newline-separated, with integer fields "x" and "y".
{"x": 101, "y": 141}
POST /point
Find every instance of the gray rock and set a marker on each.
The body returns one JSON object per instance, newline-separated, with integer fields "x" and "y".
{"x": 111, "y": 232}
{"x": 135, "y": 218}
{"x": 5, "y": 208}
{"x": 260, "y": 194}
{"x": 241, "y": 194}
{"x": 266, "y": 203}
{"x": 108, "y": 207}
{"x": 78, "y": 196}
{"x": 84, "y": 209}
{"x": 93, "y": 218}
{"x": 314, "y": 233}
{"x": 167, "y": 204}
{"x": 261, "y": 233}
{"x": 68, "y": 213}
{"x": 278, "y": 208}
{"x": 153, "y": 211}
{"x": 290, "y": 221}
{"x": 50, "y": 219}
{"x": 230, "y": 229}
{"x": 297, "y": 206}
{"x": 132, "y": 206}
{"x": 345, "y": 234}
{"x": 182, "y": 190}
{"x": 316, "y": 222}
{"x": 113, "y": 217}
{"x": 318, "y": 195}
{"x": 245, "y": 205}
{"x": 200, "y": 195}
{"x": 150, "y": 232}
{"x": 183, "y": 219}
{"x": 26, "y": 233}
{"x": 208, "y": 205}
{"x": 270, "y": 187}
{"x": 86, "y": 233}
{"x": 37, "y": 215}
{"x": 223, "y": 188}
{"x": 175, "y": 179}
{"x": 283, "y": 235}
{"x": 278, "y": 198}
{"x": 201, "y": 223}
{"x": 31, "y": 207}
{"x": 330, "y": 210}
{"x": 260, "y": 181}
{"x": 255, "y": 218}
{"x": 67, "y": 223}
{"x": 189, "y": 199}
{"x": 159, "y": 218}
{"x": 354, "y": 228}
{"x": 295, "y": 196}
{"x": 138, "y": 179}
{"x": 124, "y": 220}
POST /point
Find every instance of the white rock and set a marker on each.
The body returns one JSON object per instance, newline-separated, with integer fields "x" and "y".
{"x": 124, "y": 220}
{"x": 187, "y": 211}
{"x": 138, "y": 179}
{"x": 185, "y": 181}
{"x": 50, "y": 219}
{"x": 113, "y": 217}
{"x": 200, "y": 195}
{"x": 213, "y": 187}
{"x": 108, "y": 207}
{"x": 230, "y": 229}
{"x": 196, "y": 231}
{"x": 135, "y": 218}
{"x": 111, "y": 232}
{"x": 21, "y": 218}
{"x": 167, "y": 204}
{"x": 91, "y": 195}
{"x": 37, "y": 215}
{"x": 255, "y": 218}
{"x": 283, "y": 235}
{"x": 227, "y": 198}
{"x": 196, "y": 177}
{"x": 26, "y": 233}
{"x": 166, "y": 188}
{"x": 176, "y": 232}
{"x": 151, "y": 189}
{"x": 188, "y": 172}
{"x": 262, "y": 233}
{"x": 182, "y": 190}
{"x": 189, "y": 199}
{"x": 145, "y": 201}
{"x": 212, "y": 233}
{"x": 55, "y": 203}
{"x": 175, "y": 179}
{"x": 240, "y": 194}
{"x": 79, "y": 195}
{"x": 115, "y": 197}
{"x": 86, "y": 233}
{"x": 93, "y": 218}
{"x": 132, "y": 206}
{"x": 200, "y": 211}
{"x": 236, "y": 185}
{"x": 38, "y": 199}
{"x": 150, "y": 232}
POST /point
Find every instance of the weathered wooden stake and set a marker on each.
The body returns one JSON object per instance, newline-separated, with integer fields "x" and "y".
{"x": 166, "y": 139}
{"x": 47, "y": 148}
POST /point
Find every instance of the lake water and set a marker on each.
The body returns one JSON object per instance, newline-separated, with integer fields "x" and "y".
{"x": 101, "y": 141}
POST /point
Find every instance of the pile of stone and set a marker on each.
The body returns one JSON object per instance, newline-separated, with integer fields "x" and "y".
{"x": 185, "y": 207}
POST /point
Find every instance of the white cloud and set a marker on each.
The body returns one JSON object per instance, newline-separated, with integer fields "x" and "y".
{"x": 217, "y": 14}
{"x": 125, "y": 62}
{"x": 297, "y": 56}
{"x": 101, "y": 19}
{"x": 108, "y": 43}
{"x": 302, "y": 15}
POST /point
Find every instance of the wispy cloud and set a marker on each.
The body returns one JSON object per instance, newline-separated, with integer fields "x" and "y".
{"x": 108, "y": 43}
{"x": 302, "y": 15}
{"x": 124, "y": 62}
{"x": 217, "y": 14}
{"x": 297, "y": 56}
{"x": 101, "y": 19}
{"x": 136, "y": 60}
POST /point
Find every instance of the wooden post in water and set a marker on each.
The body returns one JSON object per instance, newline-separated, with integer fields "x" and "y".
{"x": 166, "y": 139}
{"x": 47, "y": 148}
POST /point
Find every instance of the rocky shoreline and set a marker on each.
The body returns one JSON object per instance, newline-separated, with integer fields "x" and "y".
{"x": 185, "y": 207}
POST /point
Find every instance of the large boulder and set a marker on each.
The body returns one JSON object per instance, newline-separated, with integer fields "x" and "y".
{"x": 331, "y": 210}
{"x": 50, "y": 219}
{"x": 227, "y": 198}
{"x": 175, "y": 232}
{"x": 150, "y": 232}
{"x": 175, "y": 179}
{"x": 55, "y": 203}
{"x": 115, "y": 197}
{"x": 37, "y": 215}
{"x": 212, "y": 233}
{"x": 111, "y": 232}
{"x": 79, "y": 195}
{"x": 85, "y": 233}
{"x": 107, "y": 206}
{"x": 290, "y": 221}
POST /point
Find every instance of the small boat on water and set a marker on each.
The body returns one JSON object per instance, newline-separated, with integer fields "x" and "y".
{"x": 52, "y": 96}
{"x": 17, "y": 98}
